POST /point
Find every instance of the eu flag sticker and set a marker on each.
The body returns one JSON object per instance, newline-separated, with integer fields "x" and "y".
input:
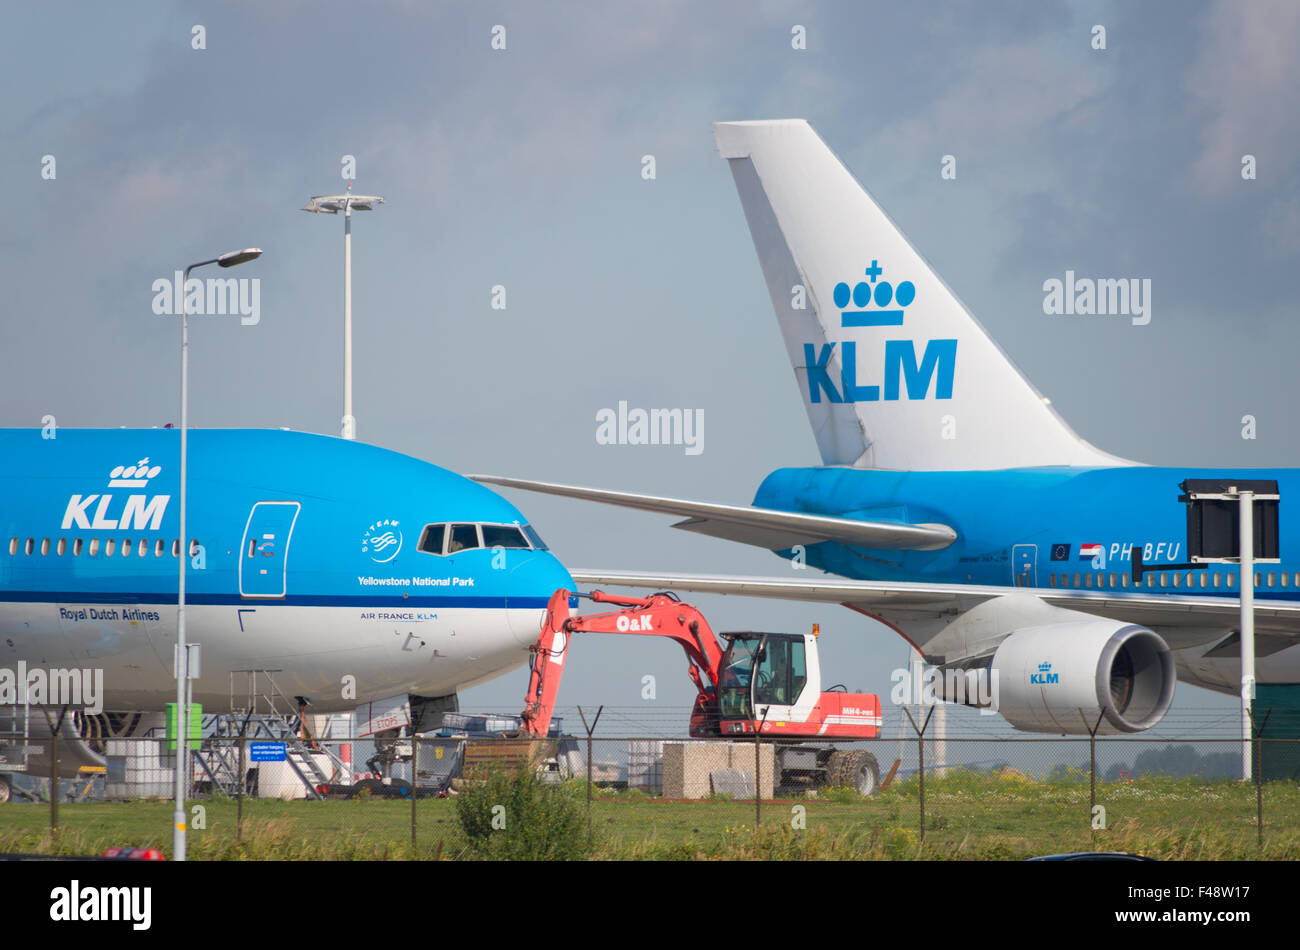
{"x": 1060, "y": 552}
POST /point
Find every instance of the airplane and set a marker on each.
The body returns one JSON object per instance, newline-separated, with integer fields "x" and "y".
{"x": 347, "y": 573}
{"x": 952, "y": 502}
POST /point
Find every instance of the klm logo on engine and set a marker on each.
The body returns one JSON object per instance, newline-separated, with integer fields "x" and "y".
{"x": 1044, "y": 676}
{"x": 138, "y": 513}
{"x": 879, "y": 304}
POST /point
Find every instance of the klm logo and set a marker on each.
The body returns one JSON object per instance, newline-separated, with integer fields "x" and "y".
{"x": 137, "y": 513}
{"x": 1044, "y": 676}
{"x": 879, "y": 304}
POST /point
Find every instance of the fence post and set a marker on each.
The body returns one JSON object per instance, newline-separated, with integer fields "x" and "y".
{"x": 758, "y": 771}
{"x": 54, "y": 784}
{"x": 1092, "y": 779}
{"x": 239, "y": 793}
{"x": 920, "y": 745}
{"x": 590, "y": 729}
{"x": 415, "y": 762}
{"x": 1259, "y": 776}
{"x": 54, "y": 772}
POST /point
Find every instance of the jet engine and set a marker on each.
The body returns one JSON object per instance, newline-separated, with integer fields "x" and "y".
{"x": 1076, "y": 676}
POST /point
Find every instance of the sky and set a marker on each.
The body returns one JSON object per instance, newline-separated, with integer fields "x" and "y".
{"x": 522, "y": 168}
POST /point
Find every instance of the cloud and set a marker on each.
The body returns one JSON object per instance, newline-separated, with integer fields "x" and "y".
{"x": 1243, "y": 84}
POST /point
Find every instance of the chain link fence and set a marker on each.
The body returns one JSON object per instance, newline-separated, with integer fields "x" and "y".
{"x": 965, "y": 788}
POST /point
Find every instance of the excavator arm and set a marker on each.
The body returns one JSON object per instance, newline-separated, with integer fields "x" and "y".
{"x": 660, "y": 615}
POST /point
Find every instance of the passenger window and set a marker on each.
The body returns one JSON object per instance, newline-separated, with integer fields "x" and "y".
{"x": 76, "y": 548}
{"x": 194, "y": 547}
{"x": 431, "y": 539}
{"x": 94, "y": 547}
{"x": 503, "y": 536}
{"x": 29, "y": 547}
{"x": 45, "y": 547}
{"x": 126, "y": 548}
{"x": 463, "y": 537}
{"x": 1051, "y": 580}
{"x": 62, "y": 547}
{"x": 110, "y": 546}
{"x": 1123, "y": 580}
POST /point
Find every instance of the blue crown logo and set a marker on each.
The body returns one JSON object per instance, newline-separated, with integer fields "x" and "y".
{"x": 883, "y": 294}
{"x": 1044, "y": 667}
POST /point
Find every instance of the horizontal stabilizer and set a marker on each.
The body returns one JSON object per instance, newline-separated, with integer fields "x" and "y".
{"x": 763, "y": 527}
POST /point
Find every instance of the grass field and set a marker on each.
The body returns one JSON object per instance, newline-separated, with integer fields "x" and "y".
{"x": 968, "y": 816}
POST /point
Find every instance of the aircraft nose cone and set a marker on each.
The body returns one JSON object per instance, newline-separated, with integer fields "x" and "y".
{"x": 529, "y": 587}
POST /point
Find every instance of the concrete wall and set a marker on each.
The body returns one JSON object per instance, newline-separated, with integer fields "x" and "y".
{"x": 687, "y": 766}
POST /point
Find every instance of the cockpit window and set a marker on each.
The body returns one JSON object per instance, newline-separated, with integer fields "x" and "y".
{"x": 535, "y": 538}
{"x": 431, "y": 539}
{"x": 443, "y": 539}
{"x": 463, "y": 537}
{"x": 503, "y": 536}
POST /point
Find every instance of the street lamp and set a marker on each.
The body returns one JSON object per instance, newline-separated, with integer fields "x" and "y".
{"x": 333, "y": 204}
{"x": 229, "y": 259}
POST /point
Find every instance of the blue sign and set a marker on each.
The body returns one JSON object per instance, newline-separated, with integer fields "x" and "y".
{"x": 266, "y": 751}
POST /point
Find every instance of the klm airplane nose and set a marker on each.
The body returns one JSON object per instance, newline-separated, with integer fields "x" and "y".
{"x": 529, "y": 587}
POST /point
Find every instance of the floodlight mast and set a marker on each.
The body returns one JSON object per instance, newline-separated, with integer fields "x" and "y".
{"x": 332, "y": 204}
{"x": 229, "y": 259}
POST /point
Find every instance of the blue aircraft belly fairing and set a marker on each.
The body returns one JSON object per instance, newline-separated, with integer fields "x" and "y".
{"x": 1065, "y": 520}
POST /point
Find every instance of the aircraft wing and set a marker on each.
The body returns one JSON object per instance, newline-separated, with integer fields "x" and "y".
{"x": 762, "y": 527}
{"x": 1276, "y": 624}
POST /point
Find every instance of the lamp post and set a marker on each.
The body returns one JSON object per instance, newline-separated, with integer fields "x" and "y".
{"x": 333, "y": 204}
{"x": 229, "y": 259}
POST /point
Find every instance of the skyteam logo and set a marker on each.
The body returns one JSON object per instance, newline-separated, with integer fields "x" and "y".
{"x": 382, "y": 541}
{"x": 139, "y": 513}
{"x": 1044, "y": 676}
{"x": 133, "y": 476}
{"x": 877, "y": 303}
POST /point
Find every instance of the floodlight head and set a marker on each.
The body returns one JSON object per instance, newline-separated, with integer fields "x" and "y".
{"x": 333, "y": 204}
{"x": 231, "y": 258}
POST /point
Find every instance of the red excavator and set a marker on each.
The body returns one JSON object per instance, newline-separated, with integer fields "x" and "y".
{"x": 760, "y": 684}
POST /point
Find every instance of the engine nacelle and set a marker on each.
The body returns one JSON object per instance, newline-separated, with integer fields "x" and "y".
{"x": 1067, "y": 677}
{"x": 82, "y": 737}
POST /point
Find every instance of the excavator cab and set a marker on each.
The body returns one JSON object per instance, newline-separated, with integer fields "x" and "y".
{"x": 761, "y": 670}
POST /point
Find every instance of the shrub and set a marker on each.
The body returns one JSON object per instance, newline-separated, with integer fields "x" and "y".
{"x": 519, "y": 817}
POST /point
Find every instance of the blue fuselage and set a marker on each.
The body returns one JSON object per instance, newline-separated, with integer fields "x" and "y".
{"x": 1037, "y": 527}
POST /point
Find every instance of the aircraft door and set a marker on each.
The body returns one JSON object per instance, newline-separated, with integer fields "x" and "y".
{"x": 1024, "y": 565}
{"x": 264, "y": 554}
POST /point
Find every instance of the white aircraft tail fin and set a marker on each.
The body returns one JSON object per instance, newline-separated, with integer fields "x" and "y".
{"x": 894, "y": 371}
